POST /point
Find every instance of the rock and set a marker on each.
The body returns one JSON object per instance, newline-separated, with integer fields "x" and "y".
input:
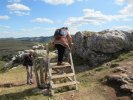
{"x": 117, "y": 69}
{"x": 124, "y": 80}
{"x": 101, "y": 46}
{"x": 127, "y": 87}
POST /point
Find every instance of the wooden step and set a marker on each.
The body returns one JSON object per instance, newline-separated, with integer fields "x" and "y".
{"x": 54, "y": 65}
{"x": 63, "y": 84}
{"x": 62, "y": 75}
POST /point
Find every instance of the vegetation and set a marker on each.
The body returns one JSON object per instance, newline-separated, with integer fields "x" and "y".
{"x": 13, "y": 87}
{"x": 13, "y": 83}
{"x": 9, "y": 47}
{"x": 123, "y": 56}
{"x": 88, "y": 33}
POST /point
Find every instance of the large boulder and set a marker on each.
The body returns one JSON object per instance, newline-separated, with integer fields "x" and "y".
{"x": 97, "y": 47}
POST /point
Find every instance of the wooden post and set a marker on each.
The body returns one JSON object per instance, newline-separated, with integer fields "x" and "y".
{"x": 36, "y": 74}
{"x": 72, "y": 67}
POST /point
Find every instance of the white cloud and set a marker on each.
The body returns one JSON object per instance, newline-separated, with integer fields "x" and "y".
{"x": 43, "y": 20}
{"x": 14, "y": 1}
{"x": 4, "y": 17}
{"x": 120, "y": 2}
{"x": 20, "y": 13}
{"x": 18, "y": 9}
{"x": 16, "y": 6}
{"x": 92, "y": 17}
{"x": 122, "y": 27}
{"x": 57, "y": 2}
{"x": 128, "y": 10}
{"x": 128, "y": 7}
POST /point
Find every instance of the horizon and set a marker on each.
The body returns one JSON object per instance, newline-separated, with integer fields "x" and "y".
{"x": 36, "y": 18}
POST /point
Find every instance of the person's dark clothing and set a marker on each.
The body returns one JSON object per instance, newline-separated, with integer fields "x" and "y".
{"x": 27, "y": 60}
{"x": 61, "y": 51}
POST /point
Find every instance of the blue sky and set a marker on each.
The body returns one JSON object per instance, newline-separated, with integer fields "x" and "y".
{"x": 34, "y": 18}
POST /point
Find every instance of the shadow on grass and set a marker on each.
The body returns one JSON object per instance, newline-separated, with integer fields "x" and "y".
{"x": 23, "y": 95}
{"x": 9, "y": 85}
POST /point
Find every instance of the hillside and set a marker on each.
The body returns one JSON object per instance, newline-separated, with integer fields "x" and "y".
{"x": 10, "y": 46}
{"x": 103, "y": 65}
{"x": 92, "y": 83}
{"x": 36, "y": 39}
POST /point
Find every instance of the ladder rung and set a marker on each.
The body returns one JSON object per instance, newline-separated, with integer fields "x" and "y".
{"x": 63, "y": 84}
{"x": 54, "y": 65}
{"x": 62, "y": 75}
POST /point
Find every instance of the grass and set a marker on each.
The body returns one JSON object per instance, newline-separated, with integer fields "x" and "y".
{"x": 13, "y": 87}
{"x": 1, "y": 64}
{"x": 11, "y": 46}
{"x": 21, "y": 91}
{"x": 123, "y": 56}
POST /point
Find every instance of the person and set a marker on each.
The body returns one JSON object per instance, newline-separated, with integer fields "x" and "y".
{"x": 61, "y": 43}
{"x": 28, "y": 63}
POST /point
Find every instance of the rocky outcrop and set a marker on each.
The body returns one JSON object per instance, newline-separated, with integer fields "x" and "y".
{"x": 97, "y": 47}
{"x": 123, "y": 77}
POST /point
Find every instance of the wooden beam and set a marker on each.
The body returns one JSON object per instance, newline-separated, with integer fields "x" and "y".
{"x": 62, "y": 75}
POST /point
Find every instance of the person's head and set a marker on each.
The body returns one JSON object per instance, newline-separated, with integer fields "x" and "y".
{"x": 66, "y": 28}
{"x": 31, "y": 52}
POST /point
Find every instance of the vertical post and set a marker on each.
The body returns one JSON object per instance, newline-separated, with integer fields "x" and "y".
{"x": 72, "y": 67}
{"x": 49, "y": 70}
{"x": 41, "y": 71}
{"x": 36, "y": 74}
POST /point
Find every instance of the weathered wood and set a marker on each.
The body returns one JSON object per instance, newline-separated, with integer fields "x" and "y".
{"x": 62, "y": 75}
{"x": 54, "y": 65}
{"x": 49, "y": 70}
{"x": 72, "y": 67}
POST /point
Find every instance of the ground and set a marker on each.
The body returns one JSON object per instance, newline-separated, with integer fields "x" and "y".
{"x": 91, "y": 84}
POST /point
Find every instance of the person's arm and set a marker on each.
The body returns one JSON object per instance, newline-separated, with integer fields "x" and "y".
{"x": 69, "y": 38}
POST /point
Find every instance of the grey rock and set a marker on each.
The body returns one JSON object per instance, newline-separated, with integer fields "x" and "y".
{"x": 101, "y": 46}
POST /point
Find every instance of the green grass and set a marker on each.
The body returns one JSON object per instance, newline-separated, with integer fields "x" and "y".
{"x": 123, "y": 56}
{"x": 11, "y": 46}
{"x": 1, "y": 64}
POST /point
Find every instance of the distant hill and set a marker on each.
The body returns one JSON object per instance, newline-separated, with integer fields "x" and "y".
{"x": 10, "y": 46}
{"x": 36, "y": 39}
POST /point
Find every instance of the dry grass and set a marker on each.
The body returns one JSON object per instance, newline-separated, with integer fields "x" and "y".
{"x": 13, "y": 87}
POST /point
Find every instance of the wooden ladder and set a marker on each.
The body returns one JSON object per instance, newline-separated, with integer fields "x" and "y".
{"x": 61, "y": 73}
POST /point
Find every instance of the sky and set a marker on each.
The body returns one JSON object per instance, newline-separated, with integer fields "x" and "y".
{"x": 35, "y": 18}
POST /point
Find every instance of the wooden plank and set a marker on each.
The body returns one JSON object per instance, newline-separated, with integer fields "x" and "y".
{"x": 62, "y": 75}
{"x": 63, "y": 84}
{"x": 72, "y": 67}
{"x": 54, "y": 65}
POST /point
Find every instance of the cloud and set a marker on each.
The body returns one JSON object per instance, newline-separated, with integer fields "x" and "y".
{"x": 57, "y": 2}
{"x": 4, "y": 17}
{"x": 120, "y": 2}
{"x": 128, "y": 10}
{"x": 128, "y": 7}
{"x": 14, "y": 1}
{"x": 20, "y": 13}
{"x": 43, "y": 20}
{"x": 18, "y": 9}
{"x": 16, "y": 6}
{"x": 92, "y": 17}
{"x": 122, "y": 27}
